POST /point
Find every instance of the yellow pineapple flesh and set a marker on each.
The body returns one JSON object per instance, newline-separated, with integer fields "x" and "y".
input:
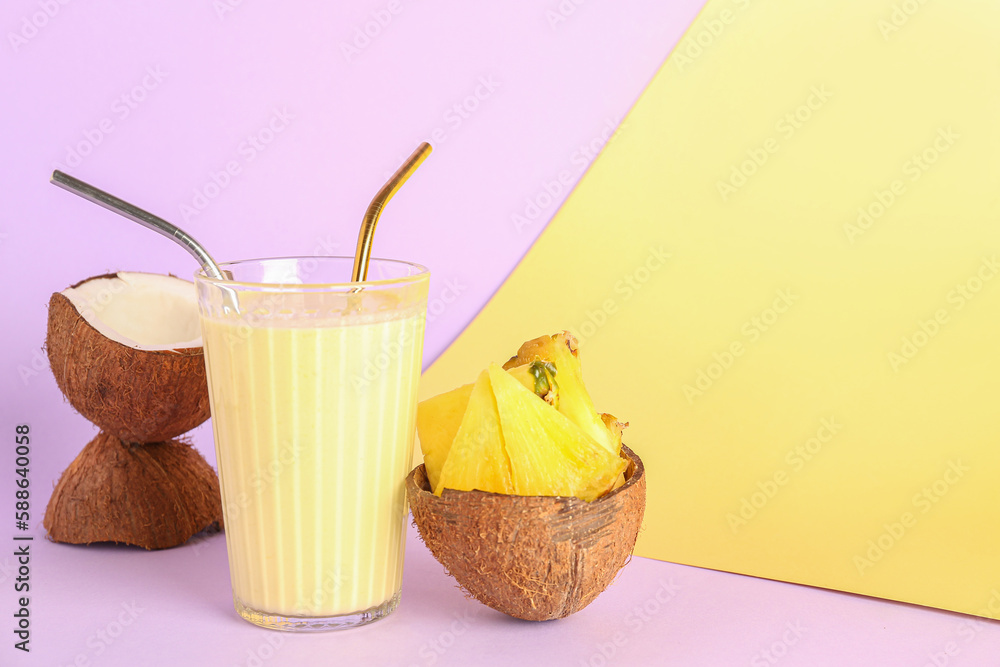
{"x": 529, "y": 428}
{"x": 615, "y": 427}
{"x": 548, "y": 453}
{"x": 559, "y": 351}
{"x": 438, "y": 420}
{"x": 476, "y": 458}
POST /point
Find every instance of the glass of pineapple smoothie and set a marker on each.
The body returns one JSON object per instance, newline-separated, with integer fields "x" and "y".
{"x": 313, "y": 387}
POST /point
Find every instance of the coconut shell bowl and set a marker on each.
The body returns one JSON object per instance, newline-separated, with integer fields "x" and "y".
{"x": 536, "y": 558}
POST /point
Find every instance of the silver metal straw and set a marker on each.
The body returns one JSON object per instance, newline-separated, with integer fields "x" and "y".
{"x": 144, "y": 218}
{"x": 230, "y": 303}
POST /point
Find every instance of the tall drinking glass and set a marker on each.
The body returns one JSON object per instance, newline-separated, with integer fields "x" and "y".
{"x": 313, "y": 386}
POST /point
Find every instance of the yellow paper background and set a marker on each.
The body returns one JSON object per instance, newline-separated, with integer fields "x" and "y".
{"x": 889, "y": 95}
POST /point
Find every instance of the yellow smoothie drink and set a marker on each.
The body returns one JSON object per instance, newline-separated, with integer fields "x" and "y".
{"x": 313, "y": 401}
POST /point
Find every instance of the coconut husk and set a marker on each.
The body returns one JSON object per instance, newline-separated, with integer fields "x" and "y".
{"x": 153, "y": 495}
{"x": 532, "y": 557}
{"x": 134, "y": 395}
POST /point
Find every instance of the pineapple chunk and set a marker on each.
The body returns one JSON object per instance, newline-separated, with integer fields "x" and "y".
{"x": 496, "y": 435}
{"x": 560, "y": 350}
{"x": 476, "y": 459}
{"x": 438, "y": 420}
{"x": 541, "y": 348}
{"x": 549, "y": 454}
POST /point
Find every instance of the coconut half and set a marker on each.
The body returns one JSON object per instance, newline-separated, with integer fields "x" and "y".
{"x": 154, "y": 495}
{"x": 126, "y": 351}
{"x": 531, "y": 557}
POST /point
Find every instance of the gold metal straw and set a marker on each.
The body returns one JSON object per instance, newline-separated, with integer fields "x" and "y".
{"x": 363, "y": 253}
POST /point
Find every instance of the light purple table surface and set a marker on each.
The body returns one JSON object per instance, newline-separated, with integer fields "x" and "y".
{"x": 156, "y": 101}
{"x": 106, "y": 605}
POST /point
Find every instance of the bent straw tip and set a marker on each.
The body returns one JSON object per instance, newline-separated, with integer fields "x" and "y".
{"x": 363, "y": 253}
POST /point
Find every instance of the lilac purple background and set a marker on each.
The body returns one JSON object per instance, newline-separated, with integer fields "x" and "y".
{"x": 155, "y": 103}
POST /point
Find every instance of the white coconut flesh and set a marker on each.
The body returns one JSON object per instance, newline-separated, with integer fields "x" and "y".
{"x": 144, "y": 311}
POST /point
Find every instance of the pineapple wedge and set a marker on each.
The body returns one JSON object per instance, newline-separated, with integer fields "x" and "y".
{"x": 560, "y": 351}
{"x": 438, "y": 421}
{"x": 549, "y": 455}
{"x": 476, "y": 458}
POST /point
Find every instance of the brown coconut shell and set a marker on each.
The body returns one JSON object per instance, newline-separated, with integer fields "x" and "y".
{"x": 153, "y": 495}
{"x": 134, "y": 395}
{"x": 531, "y": 557}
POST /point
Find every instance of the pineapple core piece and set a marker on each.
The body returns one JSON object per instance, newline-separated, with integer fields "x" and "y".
{"x": 559, "y": 353}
